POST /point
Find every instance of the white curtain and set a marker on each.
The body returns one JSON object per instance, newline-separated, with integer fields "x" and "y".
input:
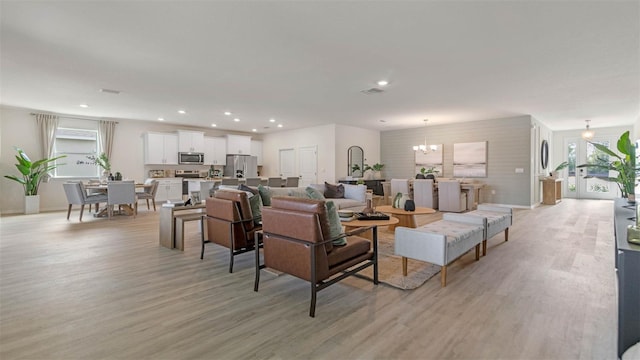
{"x": 106, "y": 130}
{"x": 48, "y": 124}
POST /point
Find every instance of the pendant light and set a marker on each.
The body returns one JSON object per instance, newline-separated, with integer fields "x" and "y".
{"x": 424, "y": 147}
{"x": 588, "y": 134}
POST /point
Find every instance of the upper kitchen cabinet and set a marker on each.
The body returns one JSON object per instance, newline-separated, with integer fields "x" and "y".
{"x": 160, "y": 148}
{"x": 238, "y": 144}
{"x": 256, "y": 150}
{"x": 190, "y": 141}
{"x": 215, "y": 151}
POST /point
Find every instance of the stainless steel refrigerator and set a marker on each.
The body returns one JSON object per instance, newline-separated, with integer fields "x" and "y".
{"x": 241, "y": 166}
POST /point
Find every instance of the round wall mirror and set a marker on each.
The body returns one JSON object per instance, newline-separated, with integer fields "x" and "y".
{"x": 544, "y": 154}
{"x": 355, "y": 161}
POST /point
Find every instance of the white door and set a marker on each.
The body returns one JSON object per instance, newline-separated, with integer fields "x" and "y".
{"x": 583, "y": 183}
{"x": 308, "y": 165}
{"x": 287, "y": 163}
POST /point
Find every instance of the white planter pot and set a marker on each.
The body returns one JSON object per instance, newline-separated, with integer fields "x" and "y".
{"x": 32, "y": 204}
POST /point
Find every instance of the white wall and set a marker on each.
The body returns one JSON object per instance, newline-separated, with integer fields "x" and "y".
{"x": 321, "y": 136}
{"x": 347, "y": 136}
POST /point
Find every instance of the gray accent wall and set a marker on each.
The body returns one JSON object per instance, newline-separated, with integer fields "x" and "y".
{"x": 509, "y": 147}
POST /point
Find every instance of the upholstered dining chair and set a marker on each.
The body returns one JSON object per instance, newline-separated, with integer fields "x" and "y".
{"x": 274, "y": 182}
{"x": 425, "y": 193}
{"x": 252, "y": 181}
{"x": 296, "y": 240}
{"x": 121, "y": 193}
{"x": 76, "y": 195}
{"x": 230, "y": 223}
{"x": 149, "y": 194}
{"x": 230, "y": 181}
{"x": 451, "y": 197}
{"x": 292, "y": 181}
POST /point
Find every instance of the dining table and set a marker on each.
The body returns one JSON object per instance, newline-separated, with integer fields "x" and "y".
{"x": 125, "y": 209}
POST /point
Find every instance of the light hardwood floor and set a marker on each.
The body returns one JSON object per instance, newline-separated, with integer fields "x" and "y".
{"x": 104, "y": 289}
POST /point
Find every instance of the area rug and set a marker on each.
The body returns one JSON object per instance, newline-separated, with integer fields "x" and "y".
{"x": 390, "y": 266}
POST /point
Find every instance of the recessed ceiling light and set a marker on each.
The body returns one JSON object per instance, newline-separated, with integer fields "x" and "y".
{"x": 227, "y": 113}
{"x": 272, "y": 120}
{"x": 279, "y": 125}
{"x": 182, "y": 112}
{"x": 236, "y": 119}
{"x": 84, "y": 105}
{"x": 254, "y": 130}
{"x": 213, "y": 125}
{"x": 383, "y": 83}
{"x": 160, "y": 119}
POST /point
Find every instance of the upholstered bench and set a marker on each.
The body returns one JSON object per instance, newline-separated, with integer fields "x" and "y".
{"x": 499, "y": 219}
{"x": 440, "y": 242}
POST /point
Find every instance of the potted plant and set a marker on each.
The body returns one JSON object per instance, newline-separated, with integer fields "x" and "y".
{"x": 103, "y": 161}
{"x": 355, "y": 168}
{"x": 625, "y": 165}
{"x": 425, "y": 171}
{"x": 33, "y": 172}
{"x": 562, "y": 165}
{"x": 375, "y": 170}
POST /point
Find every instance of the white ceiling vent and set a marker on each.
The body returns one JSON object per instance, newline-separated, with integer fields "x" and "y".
{"x": 372, "y": 91}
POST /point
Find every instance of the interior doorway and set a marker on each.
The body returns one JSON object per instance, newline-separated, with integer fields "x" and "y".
{"x": 583, "y": 183}
{"x": 287, "y": 163}
{"x": 308, "y": 165}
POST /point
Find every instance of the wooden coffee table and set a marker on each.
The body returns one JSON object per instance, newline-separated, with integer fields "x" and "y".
{"x": 355, "y": 224}
{"x": 407, "y": 218}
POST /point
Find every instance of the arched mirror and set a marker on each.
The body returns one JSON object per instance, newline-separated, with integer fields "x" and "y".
{"x": 355, "y": 161}
{"x": 544, "y": 154}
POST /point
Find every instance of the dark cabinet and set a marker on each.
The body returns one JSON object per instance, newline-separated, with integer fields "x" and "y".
{"x": 375, "y": 185}
{"x": 628, "y": 265}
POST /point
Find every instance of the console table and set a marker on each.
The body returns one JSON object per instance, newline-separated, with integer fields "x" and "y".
{"x": 375, "y": 185}
{"x": 551, "y": 191}
{"x": 628, "y": 266}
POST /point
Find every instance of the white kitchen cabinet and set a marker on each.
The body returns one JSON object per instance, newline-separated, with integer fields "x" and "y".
{"x": 190, "y": 141}
{"x": 256, "y": 150}
{"x": 238, "y": 144}
{"x": 169, "y": 189}
{"x": 160, "y": 148}
{"x": 215, "y": 151}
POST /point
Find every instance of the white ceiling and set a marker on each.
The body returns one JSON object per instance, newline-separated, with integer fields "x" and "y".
{"x": 305, "y": 63}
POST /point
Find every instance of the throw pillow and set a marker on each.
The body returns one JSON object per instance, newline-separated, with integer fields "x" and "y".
{"x": 335, "y": 226}
{"x": 256, "y": 208}
{"x": 297, "y": 192}
{"x": 244, "y": 187}
{"x": 356, "y": 192}
{"x": 265, "y": 194}
{"x": 314, "y": 193}
{"x": 332, "y": 191}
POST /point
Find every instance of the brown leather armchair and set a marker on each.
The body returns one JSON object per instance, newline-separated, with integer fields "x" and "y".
{"x": 230, "y": 223}
{"x": 296, "y": 241}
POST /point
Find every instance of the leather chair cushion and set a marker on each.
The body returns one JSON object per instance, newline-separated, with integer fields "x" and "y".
{"x": 356, "y": 246}
{"x": 308, "y": 206}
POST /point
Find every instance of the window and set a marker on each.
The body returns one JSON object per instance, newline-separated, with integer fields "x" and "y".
{"x": 77, "y": 144}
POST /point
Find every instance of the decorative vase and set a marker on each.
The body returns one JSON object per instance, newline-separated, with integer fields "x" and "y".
{"x": 31, "y": 204}
{"x": 369, "y": 208}
{"x": 396, "y": 201}
{"x": 105, "y": 176}
{"x": 403, "y": 200}
{"x": 368, "y": 175}
{"x": 409, "y": 205}
{"x": 377, "y": 175}
{"x": 419, "y": 176}
{"x": 631, "y": 198}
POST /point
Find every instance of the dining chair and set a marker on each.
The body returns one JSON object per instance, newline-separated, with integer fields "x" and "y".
{"x": 252, "y": 181}
{"x": 121, "y": 193}
{"x": 149, "y": 193}
{"x": 76, "y": 195}
{"x": 274, "y": 182}
{"x": 230, "y": 181}
{"x": 399, "y": 186}
{"x": 425, "y": 193}
{"x": 292, "y": 182}
{"x": 451, "y": 197}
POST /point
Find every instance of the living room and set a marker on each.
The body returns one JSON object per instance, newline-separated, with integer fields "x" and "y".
{"x": 510, "y": 74}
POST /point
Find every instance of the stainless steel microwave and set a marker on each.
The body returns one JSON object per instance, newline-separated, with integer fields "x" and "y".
{"x": 191, "y": 158}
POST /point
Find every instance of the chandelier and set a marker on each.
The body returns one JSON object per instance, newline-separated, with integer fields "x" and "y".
{"x": 588, "y": 134}
{"x": 424, "y": 147}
